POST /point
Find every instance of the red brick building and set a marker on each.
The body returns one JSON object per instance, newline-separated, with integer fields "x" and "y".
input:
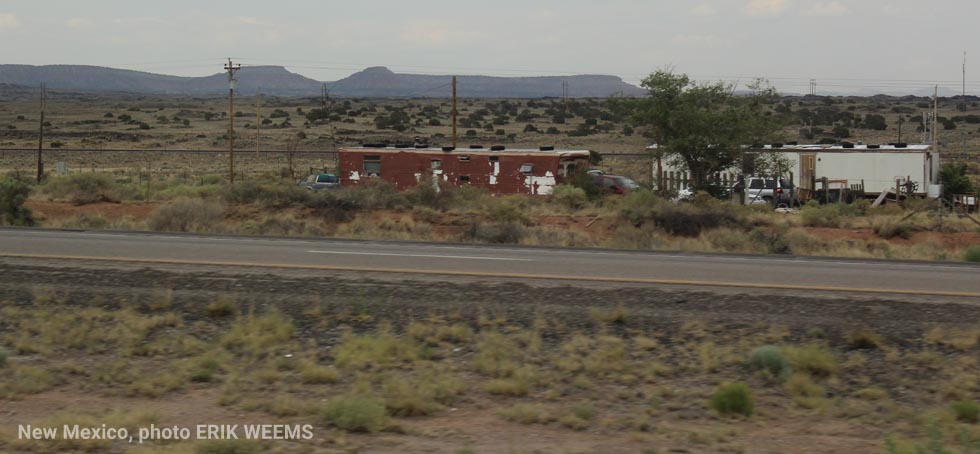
{"x": 501, "y": 170}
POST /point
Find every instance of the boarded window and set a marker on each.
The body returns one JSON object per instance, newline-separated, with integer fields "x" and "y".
{"x": 436, "y": 164}
{"x": 464, "y": 179}
{"x": 494, "y": 158}
{"x": 527, "y": 168}
{"x": 372, "y": 165}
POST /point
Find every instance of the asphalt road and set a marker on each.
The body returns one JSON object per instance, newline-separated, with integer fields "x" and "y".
{"x": 699, "y": 270}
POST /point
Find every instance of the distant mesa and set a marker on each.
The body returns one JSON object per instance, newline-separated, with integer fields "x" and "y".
{"x": 376, "y": 81}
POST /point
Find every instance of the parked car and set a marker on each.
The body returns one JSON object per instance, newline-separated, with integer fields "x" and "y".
{"x": 767, "y": 190}
{"x": 319, "y": 181}
{"x": 616, "y": 184}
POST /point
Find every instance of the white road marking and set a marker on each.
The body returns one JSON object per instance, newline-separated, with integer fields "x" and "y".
{"x": 423, "y": 255}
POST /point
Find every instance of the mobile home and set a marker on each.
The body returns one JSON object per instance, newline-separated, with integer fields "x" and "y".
{"x": 878, "y": 167}
{"x": 497, "y": 168}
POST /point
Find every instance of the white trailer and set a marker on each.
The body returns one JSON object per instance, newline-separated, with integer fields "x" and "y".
{"x": 878, "y": 167}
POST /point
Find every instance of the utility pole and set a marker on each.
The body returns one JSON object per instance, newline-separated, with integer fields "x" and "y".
{"x": 564, "y": 94}
{"x": 323, "y": 95}
{"x": 813, "y": 87}
{"x": 258, "y": 119}
{"x": 231, "y": 119}
{"x": 40, "y": 134}
{"x": 454, "y": 111}
{"x": 935, "y": 111}
{"x": 964, "y": 76}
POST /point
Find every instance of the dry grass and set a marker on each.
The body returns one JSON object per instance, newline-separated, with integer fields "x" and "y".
{"x": 599, "y": 377}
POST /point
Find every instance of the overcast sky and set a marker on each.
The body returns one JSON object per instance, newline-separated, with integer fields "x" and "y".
{"x": 846, "y": 45}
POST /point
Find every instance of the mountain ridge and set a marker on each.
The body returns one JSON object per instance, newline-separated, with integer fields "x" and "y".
{"x": 376, "y": 81}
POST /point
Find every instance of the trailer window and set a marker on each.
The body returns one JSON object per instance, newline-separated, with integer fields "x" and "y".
{"x": 436, "y": 164}
{"x": 464, "y": 179}
{"x": 527, "y": 168}
{"x": 372, "y": 165}
{"x": 464, "y": 158}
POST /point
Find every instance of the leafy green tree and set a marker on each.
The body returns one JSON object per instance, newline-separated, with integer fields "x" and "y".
{"x": 702, "y": 125}
{"x": 876, "y": 122}
{"x": 13, "y": 194}
{"x": 954, "y": 179}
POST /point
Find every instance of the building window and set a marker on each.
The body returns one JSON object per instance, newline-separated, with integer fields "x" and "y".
{"x": 372, "y": 165}
{"x": 526, "y": 169}
{"x": 436, "y": 164}
{"x": 464, "y": 158}
{"x": 464, "y": 179}
{"x": 494, "y": 158}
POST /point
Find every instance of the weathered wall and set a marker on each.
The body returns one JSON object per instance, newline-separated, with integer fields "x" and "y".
{"x": 500, "y": 172}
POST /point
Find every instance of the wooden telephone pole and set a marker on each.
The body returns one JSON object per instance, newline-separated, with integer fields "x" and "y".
{"x": 231, "y": 119}
{"x": 40, "y": 134}
{"x": 258, "y": 119}
{"x": 454, "y": 111}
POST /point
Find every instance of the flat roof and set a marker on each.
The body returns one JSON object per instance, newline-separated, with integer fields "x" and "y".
{"x": 816, "y": 147}
{"x": 836, "y": 147}
{"x": 464, "y": 150}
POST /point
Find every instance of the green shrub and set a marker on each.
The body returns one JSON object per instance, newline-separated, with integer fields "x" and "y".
{"x": 429, "y": 195}
{"x": 812, "y": 359}
{"x": 380, "y": 350}
{"x": 770, "y": 360}
{"x": 889, "y": 229}
{"x": 570, "y": 197}
{"x": 972, "y": 253}
{"x": 356, "y": 413}
{"x": 84, "y": 188}
{"x": 642, "y": 206}
{"x": 257, "y": 335}
{"x": 372, "y": 195}
{"x": 204, "y": 369}
{"x": 270, "y": 194}
{"x": 831, "y": 215}
{"x": 508, "y": 210}
{"x": 689, "y": 220}
{"x": 420, "y": 396}
{"x": 494, "y": 232}
{"x": 935, "y": 442}
{"x": 863, "y": 340}
{"x": 187, "y": 215}
{"x": 966, "y": 411}
{"x": 13, "y": 194}
{"x": 732, "y": 398}
{"x": 955, "y": 179}
{"x": 584, "y": 411}
{"x": 582, "y": 180}
{"x": 318, "y": 375}
{"x": 221, "y": 307}
{"x": 330, "y": 205}
{"x": 526, "y": 414}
